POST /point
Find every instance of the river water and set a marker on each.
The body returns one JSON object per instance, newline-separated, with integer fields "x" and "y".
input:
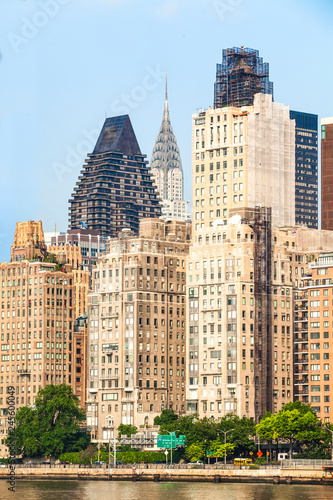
{"x": 146, "y": 490}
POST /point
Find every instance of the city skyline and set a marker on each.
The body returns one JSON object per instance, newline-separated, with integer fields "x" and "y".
{"x": 60, "y": 114}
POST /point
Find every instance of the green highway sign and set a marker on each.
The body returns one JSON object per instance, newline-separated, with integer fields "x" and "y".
{"x": 170, "y": 441}
{"x": 164, "y": 442}
{"x": 181, "y": 440}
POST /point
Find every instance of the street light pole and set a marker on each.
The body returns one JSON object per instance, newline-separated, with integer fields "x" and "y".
{"x": 225, "y": 444}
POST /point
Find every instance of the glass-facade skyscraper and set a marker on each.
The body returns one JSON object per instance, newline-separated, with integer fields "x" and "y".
{"x": 306, "y": 168}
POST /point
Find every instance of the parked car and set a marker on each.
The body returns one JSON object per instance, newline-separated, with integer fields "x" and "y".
{"x": 2, "y": 464}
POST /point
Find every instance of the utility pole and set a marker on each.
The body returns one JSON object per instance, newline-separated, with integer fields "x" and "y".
{"x": 114, "y": 453}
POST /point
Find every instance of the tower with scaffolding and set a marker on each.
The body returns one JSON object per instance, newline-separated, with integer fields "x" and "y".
{"x": 260, "y": 220}
{"x": 241, "y": 75}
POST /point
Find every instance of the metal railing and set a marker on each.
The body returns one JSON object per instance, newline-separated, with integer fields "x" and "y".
{"x": 218, "y": 465}
{"x": 306, "y": 463}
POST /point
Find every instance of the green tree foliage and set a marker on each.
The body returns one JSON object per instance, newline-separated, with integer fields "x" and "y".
{"x": 86, "y": 456}
{"x": 167, "y": 417}
{"x": 52, "y": 426}
{"x": 128, "y": 457}
{"x": 126, "y": 430}
{"x": 195, "y": 451}
{"x": 296, "y": 423}
{"x": 241, "y": 433}
{"x": 220, "y": 449}
{"x": 206, "y": 431}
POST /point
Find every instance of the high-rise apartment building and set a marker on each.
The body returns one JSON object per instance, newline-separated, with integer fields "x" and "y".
{"x": 241, "y": 75}
{"x": 137, "y": 324}
{"x": 37, "y": 321}
{"x": 166, "y": 168}
{"x": 242, "y": 278}
{"x": 115, "y": 189}
{"x": 80, "y": 359}
{"x": 313, "y": 337}
{"x": 69, "y": 257}
{"x": 91, "y": 243}
{"x": 306, "y": 168}
{"x": 327, "y": 173}
{"x": 243, "y": 156}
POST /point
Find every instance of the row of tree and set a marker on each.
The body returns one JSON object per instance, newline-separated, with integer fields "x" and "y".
{"x": 52, "y": 427}
{"x": 296, "y": 424}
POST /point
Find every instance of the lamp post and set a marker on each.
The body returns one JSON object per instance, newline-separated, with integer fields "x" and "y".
{"x": 225, "y": 443}
{"x": 174, "y": 432}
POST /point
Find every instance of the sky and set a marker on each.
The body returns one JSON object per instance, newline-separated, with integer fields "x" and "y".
{"x": 66, "y": 65}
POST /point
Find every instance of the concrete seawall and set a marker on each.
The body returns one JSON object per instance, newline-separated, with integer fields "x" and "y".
{"x": 276, "y": 476}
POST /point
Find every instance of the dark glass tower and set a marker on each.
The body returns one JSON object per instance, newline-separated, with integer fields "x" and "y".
{"x": 306, "y": 168}
{"x": 115, "y": 189}
{"x": 241, "y": 75}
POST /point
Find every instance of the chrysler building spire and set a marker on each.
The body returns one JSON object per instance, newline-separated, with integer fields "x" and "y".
{"x": 166, "y": 167}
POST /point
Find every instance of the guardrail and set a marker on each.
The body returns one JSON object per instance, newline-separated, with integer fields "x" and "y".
{"x": 305, "y": 464}
{"x": 218, "y": 465}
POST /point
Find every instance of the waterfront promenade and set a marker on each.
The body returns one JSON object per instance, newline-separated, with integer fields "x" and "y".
{"x": 275, "y": 475}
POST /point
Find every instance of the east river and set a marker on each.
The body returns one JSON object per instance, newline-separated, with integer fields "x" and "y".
{"x": 104, "y": 490}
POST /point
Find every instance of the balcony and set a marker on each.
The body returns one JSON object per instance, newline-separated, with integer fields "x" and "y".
{"x": 301, "y": 392}
{"x": 301, "y": 338}
{"x": 299, "y": 361}
{"x": 301, "y": 369}
{"x": 301, "y": 381}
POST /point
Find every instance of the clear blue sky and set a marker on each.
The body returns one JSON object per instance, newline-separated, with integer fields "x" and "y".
{"x": 66, "y": 64}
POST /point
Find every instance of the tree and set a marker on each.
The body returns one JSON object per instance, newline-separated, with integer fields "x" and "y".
{"x": 126, "y": 430}
{"x": 167, "y": 417}
{"x": 195, "y": 451}
{"x": 220, "y": 449}
{"x": 52, "y": 427}
{"x": 87, "y": 456}
{"x": 266, "y": 429}
{"x": 298, "y": 423}
{"x": 242, "y": 431}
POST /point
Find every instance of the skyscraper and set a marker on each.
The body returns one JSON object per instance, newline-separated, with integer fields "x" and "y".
{"x": 166, "y": 168}
{"x": 241, "y": 75}
{"x": 42, "y": 292}
{"x": 137, "y": 328}
{"x": 241, "y": 281}
{"x": 306, "y": 168}
{"x": 115, "y": 189}
{"x": 327, "y": 173}
{"x": 243, "y": 156}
